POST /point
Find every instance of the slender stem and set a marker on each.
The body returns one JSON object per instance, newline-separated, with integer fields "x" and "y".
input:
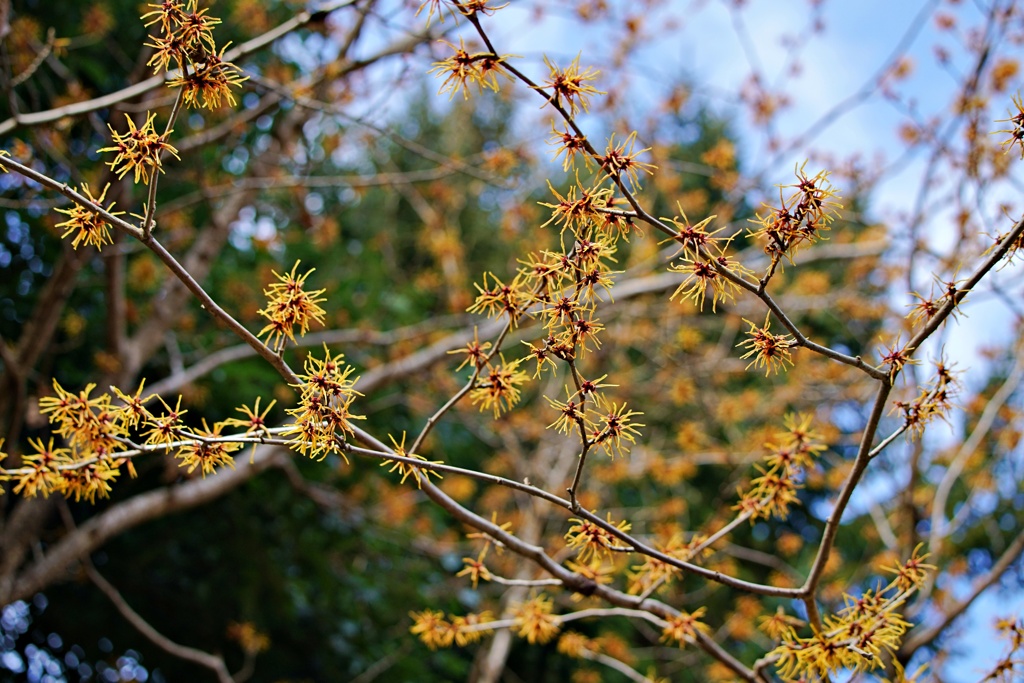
{"x": 389, "y": 455}
{"x": 950, "y": 303}
{"x": 718, "y": 577}
{"x": 581, "y": 424}
{"x": 211, "y": 306}
{"x": 150, "y": 213}
{"x": 81, "y": 200}
{"x": 450, "y": 403}
{"x": 210, "y": 661}
{"x": 860, "y": 463}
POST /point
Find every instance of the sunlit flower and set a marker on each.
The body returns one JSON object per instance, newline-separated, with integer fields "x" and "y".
{"x": 462, "y": 69}
{"x": 323, "y": 416}
{"x": 404, "y": 468}
{"x": 592, "y": 541}
{"x": 570, "y": 87}
{"x": 799, "y": 219}
{"x": 475, "y": 568}
{"x": 579, "y": 206}
{"x": 475, "y": 352}
{"x": 703, "y": 275}
{"x": 620, "y": 160}
{"x": 615, "y": 430}
{"x": 1016, "y": 129}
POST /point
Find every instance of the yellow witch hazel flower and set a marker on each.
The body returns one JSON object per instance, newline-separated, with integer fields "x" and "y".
{"x": 323, "y": 415}
{"x": 534, "y": 620}
{"x": 186, "y": 42}
{"x": 290, "y": 306}
{"x": 87, "y": 225}
{"x": 462, "y": 69}
{"x": 139, "y": 150}
{"x": 570, "y": 87}
{"x": 498, "y": 387}
{"x": 405, "y": 469}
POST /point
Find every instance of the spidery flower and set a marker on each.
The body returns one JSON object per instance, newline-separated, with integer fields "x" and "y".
{"x": 407, "y": 470}
{"x": 255, "y": 422}
{"x": 615, "y": 430}
{"x": 534, "y": 621}
{"x": 620, "y": 160}
{"x": 913, "y": 572}
{"x": 290, "y": 306}
{"x": 896, "y": 357}
{"x": 934, "y": 400}
{"x": 579, "y": 207}
{"x": 861, "y": 636}
{"x": 781, "y": 626}
{"x": 86, "y": 223}
{"x": 323, "y": 416}
{"x": 773, "y": 492}
{"x": 693, "y": 238}
{"x": 702, "y": 274}
{"x": 462, "y": 69}
{"x": 186, "y": 43}
{"x": 475, "y": 568}
{"x": 466, "y": 8}
{"x": 570, "y": 87}
{"x": 1016, "y": 129}
{"x": 40, "y": 474}
{"x": 208, "y": 82}
{"x": 139, "y": 151}
{"x": 498, "y": 387}
{"x": 770, "y": 351}
{"x": 593, "y": 542}
{"x": 542, "y": 355}
{"x": 475, "y": 352}
{"x": 571, "y": 414}
{"x": 207, "y": 451}
{"x": 570, "y": 144}
{"x": 133, "y": 409}
{"x": 684, "y": 627}
{"x": 801, "y": 218}
{"x": 166, "y": 429}
{"x": 499, "y": 298}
